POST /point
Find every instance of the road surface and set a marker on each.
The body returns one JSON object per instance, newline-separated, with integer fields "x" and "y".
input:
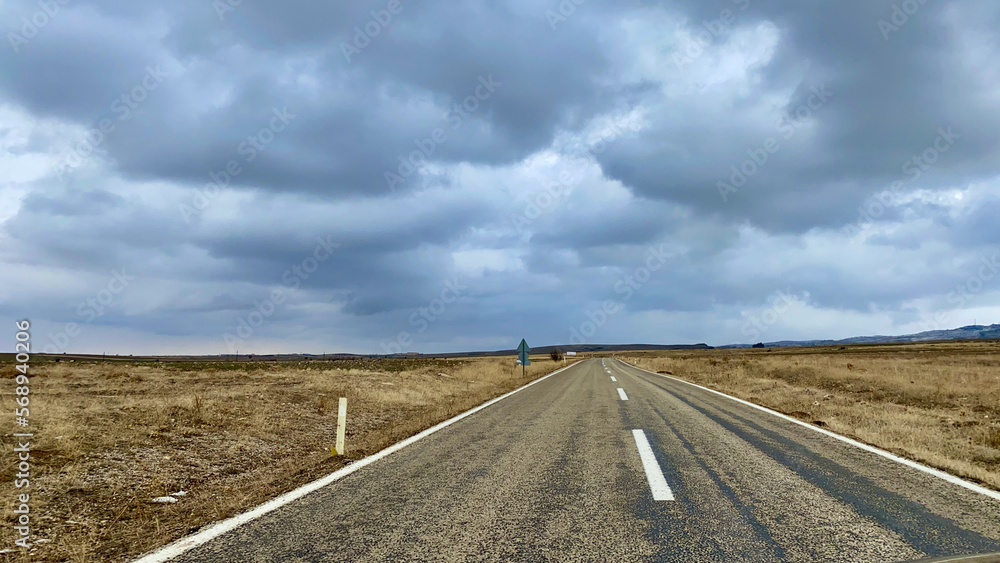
{"x": 605, "y": 462}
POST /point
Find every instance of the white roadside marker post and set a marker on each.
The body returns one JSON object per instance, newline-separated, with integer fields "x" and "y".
{"x": 341, "y": 426}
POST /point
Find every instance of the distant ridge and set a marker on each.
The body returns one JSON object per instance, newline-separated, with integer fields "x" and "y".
{"x": 578, "y": 348}
{"x": 971, "y": 332}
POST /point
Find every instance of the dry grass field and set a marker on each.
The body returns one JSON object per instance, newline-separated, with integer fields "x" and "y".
{"x": 110, "y": 437}
{"x": 937, "y": 403}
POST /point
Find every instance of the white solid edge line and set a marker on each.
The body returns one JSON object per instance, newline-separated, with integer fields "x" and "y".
{"x": 657, "y": 482}
{"x": 872, "y": 449}
{"x": 622, "y": 395}
{"x": 178, "y": 547}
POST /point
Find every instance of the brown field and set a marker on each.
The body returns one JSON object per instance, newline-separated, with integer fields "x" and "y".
{"x": 111, "y": 436}
{"x": 938, "y": 404}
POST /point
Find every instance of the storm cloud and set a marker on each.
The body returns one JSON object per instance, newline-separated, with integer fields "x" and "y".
{"x": 428, "y": 176}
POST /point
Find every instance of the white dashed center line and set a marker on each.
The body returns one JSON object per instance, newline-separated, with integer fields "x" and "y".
{"x": 613, "y": 378}
{"x": 622, "y": 395}
{"x": 657, "y": 482}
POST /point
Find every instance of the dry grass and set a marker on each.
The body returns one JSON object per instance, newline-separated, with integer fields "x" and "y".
{"x": 935, "y": 403}
{"x": 109, "y": 437}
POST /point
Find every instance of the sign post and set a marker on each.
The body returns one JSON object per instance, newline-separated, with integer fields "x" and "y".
{"x": 522, "y": 355}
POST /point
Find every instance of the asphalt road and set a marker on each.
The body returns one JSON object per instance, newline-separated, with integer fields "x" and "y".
{"x": 555, "y": 472}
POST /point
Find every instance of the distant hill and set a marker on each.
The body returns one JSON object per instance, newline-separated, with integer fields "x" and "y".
{"x": 570, "y": 348}
{"x": 971, "y": 332}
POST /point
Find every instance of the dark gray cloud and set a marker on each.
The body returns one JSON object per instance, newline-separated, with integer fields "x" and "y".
{"x": 887, "y": 100}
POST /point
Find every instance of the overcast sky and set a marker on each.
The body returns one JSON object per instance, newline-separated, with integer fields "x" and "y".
{"x": 197, "y": 176}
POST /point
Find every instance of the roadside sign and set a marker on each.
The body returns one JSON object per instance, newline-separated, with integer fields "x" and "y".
{"x": 570, "y": 353}
{"x": 522, "y": 355}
